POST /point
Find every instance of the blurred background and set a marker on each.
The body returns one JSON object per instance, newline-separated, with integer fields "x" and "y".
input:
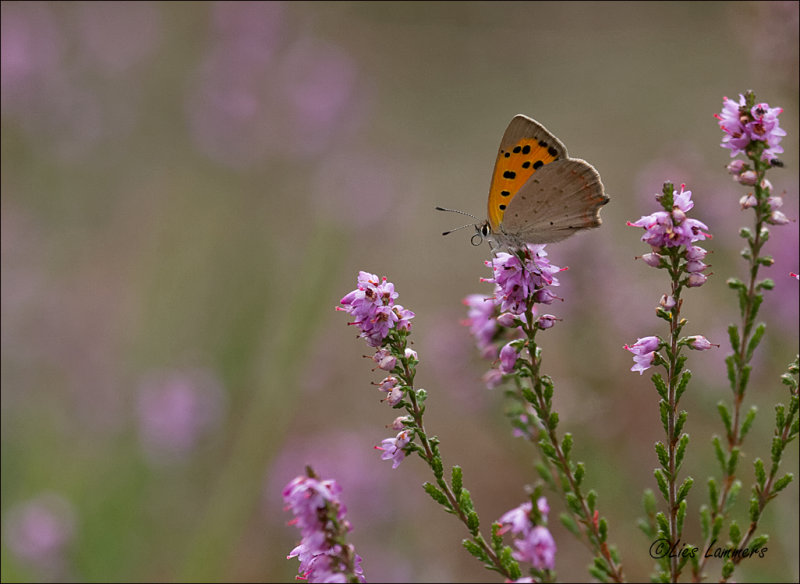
{"x": 188, "y": 189}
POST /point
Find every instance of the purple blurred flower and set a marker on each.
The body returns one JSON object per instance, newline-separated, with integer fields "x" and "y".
{"x": 372, "y": 305}
{"x": 176, "y": 409}
{"x": 508, "y": 357}
{"x": 518, "y": 520}
{"x": 482, "y": 322}
{"x": 40, "y": 530}
{"x": 319, "y": 514}
{"x": 538, "y": 548}
{"x": 534, "y": 543}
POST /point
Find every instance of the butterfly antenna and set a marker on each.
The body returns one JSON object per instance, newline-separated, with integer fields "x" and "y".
{"x": 462, "y": 213}
{"x": 457, "y": 211}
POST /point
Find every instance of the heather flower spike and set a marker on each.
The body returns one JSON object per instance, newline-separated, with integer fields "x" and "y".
{"x": 387, "y": 327}
{"x": 505, "y": 326}
{"x": 671, "y": 234}
{"x": 319, "y": 514}
{"x": 750, "y": 128}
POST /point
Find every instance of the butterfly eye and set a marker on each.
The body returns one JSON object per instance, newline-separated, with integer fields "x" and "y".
{"x": 485, "y": 230}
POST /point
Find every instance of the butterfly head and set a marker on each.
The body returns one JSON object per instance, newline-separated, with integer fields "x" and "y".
{"x": 482, "y": 230}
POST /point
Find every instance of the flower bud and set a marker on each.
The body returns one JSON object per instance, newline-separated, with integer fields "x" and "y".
{"x": 748, "y": 177}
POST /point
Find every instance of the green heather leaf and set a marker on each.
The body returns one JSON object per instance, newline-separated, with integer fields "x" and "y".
{"x": 705, "y": 521}
{"x": 475, "y": 550}
{"x": 755, "y": 340}
{"x": 733, "y": 494}
{"x": 681, "y": 515}
{"x": 725, "y": 414}
{"x": 661, "y": 387}
{"x": 713, "y": 492}
{"x": 683, "y": 383}
{"x": 591, "y": 500}
{"x": 755, "y": 509}
{"x": 733, "y": 335}
{"x": 782, "y": 482}
{"x": 568, "y": 522}
{"x": 661, "y": 479}
{"x": 733, "y": 461}
{"x": 663, "y": 456}
{"x": 748, "y": 422}
{"x": 679, "y": 423}
{"x": 579, "y": 472}
{"x": 566, "y": 445}
{"x": 681, "y": 451}
{"x": 735, "y": 533}
{"x": 761, "y": 474}
{"x": 684, "y": 489}
{"x": 457, "y": 480}
{"x": 437, "y": 495}
{"x": 719, "y": 453}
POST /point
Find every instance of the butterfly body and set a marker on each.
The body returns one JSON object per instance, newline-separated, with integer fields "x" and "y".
{"x": 539, "y": 194}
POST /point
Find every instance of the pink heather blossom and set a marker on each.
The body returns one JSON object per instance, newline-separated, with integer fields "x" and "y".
{"x": 544, "y": 508}
{"x": 508, "y": 357}
{"x": 393, "y": 448}
{"x": 537, "y": 548}
{"x": 517, "y": 278}
{"x": 748, "y": 201}
{"x": 482, "y": 322}
{"x": 546, "y": 321}
{"x": 732, "y": 122}
{"x": 694, "y": 280}
{"x": 652, "y": 259}
{"x": 700, "y": 343}
{"x": 314, "y": 504}
{"x": 694, "y": 266}
{"x": 643, "y": 353}
{"x": 492, "y": 378}
{"x": 372, "y": 305}
{"x": 518, "y": 520}
{"x": 385, "y": 359}
{"x": 667, "y": 302}
{"x": 672, "y": 229}
{"x": 695, "y": 252}
{"x": 742, "y": 127}
{"x": 748, "y": 178}
{"x": 737, "y": 166}
{"x": 534, "y": 543}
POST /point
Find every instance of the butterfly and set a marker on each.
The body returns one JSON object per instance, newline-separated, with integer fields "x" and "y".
{"x": 538, "y": 194}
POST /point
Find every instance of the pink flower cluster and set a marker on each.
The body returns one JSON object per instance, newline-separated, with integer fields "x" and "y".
{"x": 314, "y": 504}
{"x": 522, "y": 281}
{"x": 534, "y": 543}
{"x": 743, "y": 126}
{"x": 672, "y": 228}
{"x": 372, "y": 305}
{"x": 520, "y": 277}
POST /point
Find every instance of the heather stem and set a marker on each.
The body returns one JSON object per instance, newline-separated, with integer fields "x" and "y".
{"x": 749, "y": 309}
{"x": 431, "y": 456}
{"x": 585, "y": 517}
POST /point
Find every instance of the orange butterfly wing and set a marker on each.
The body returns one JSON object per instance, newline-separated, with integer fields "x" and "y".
{"x": 525, "y": 148}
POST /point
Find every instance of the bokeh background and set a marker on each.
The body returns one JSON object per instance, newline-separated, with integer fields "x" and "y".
{"x": 188, "y": 189}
